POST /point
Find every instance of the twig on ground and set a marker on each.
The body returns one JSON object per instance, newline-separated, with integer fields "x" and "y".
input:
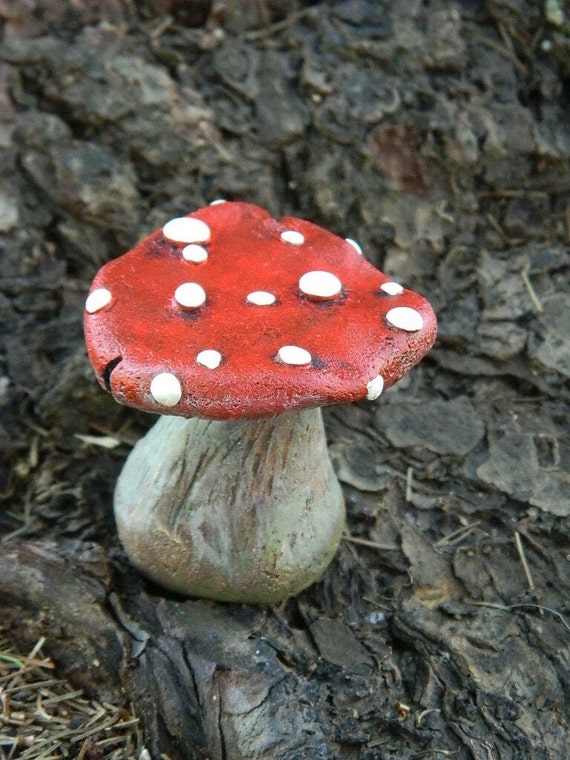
{"x": 531, "y": 291}
{"x": 524, "y": 563}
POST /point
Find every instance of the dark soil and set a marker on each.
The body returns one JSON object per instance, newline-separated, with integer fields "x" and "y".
{"x": 437, "y": 134}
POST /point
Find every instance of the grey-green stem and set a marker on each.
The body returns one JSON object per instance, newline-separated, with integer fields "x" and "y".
{"x": 246, "y": 511}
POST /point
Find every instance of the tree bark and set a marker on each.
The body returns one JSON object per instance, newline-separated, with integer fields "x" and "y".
{"x": 203, "y": 682}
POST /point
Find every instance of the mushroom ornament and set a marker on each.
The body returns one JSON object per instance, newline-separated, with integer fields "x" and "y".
{"x": 237, "y": 328}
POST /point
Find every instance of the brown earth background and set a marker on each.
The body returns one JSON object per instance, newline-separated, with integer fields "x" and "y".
{"x": 437, "y": 134}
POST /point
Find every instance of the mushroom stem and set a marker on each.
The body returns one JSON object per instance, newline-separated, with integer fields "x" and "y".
{"x": 243, "y": 511}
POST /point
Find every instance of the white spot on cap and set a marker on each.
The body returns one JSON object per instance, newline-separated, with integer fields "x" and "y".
{"x": 218, "y": 202}
{"x": 260, "y": 298}
{"x": 355, "y": 245}
{"x": 209, "y": 358}
{"x": 320, "y": 285}
{"x": 190, "y": 295}
{"x": 375, "y": 388}
{"x": 392, "y": 288}
{"x": 165, "y": 389}
{"x": 293, "y": 237}
{"x": 97, "y": 300}
{"x": 186, "y": 229}
{"x": 195, "y": 253}
{"x": 294, "y": 355}
{"x": 405, "y": 318}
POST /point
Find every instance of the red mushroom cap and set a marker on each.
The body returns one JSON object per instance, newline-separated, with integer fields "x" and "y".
{"x": 229, "y": 313}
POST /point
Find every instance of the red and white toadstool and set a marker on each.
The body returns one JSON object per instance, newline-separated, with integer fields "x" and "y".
{"x": 237, "y": 328}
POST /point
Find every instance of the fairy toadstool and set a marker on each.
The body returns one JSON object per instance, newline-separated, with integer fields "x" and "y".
{"x": 236, "y": 328}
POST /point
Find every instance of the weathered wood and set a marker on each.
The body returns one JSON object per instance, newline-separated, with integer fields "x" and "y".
{"x": 59, "y": 590}
{"x": 204, "y": 683}
{"x": 436, "y": 135}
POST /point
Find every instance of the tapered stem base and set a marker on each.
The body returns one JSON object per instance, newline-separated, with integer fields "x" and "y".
{"x": 245, "y": 511}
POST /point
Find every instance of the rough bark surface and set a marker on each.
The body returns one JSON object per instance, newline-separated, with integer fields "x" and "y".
{"x": 437, "y": 135}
